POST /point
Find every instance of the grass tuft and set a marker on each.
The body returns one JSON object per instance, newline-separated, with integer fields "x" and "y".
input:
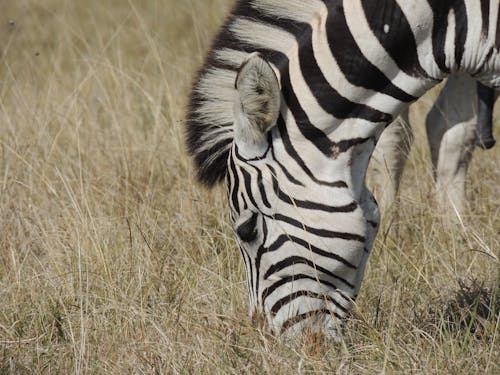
{"x": 473, "y": 310}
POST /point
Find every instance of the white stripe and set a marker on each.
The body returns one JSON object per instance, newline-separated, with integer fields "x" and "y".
{"x": 231, "y": 57}
{"x": 420, "y": 17}
{"x": 474, "y": 30}
{"x": 297, "y": 10}
{"x": 494, "y": 9}
{"x": 449, "y": 44}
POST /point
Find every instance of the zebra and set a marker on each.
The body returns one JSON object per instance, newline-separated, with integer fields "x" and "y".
{"x": 287, "y": 110}
{"x": 459, "y": 120}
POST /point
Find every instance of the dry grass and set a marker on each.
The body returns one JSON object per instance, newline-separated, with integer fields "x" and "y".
{"x": 112, "y": 260}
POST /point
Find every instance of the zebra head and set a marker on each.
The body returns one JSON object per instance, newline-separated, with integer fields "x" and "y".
{"x": 303, "y": 239}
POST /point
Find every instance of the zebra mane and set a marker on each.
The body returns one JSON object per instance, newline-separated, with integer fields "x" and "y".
{"x": 209, "y": 132}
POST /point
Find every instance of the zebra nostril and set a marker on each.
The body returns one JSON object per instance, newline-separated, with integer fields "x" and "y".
{"x": 247, "y": 231}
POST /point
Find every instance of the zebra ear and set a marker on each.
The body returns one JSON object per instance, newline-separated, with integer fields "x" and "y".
{"x": 258, "y": 99}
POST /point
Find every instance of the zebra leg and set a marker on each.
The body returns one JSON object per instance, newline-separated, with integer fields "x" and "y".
{"x": 372, "y": 216}
{"x": 453, "y": 162}
{"x": 450, "y": 128}
{"x": 388, "y": 160}
{"x": 486, "y": 102}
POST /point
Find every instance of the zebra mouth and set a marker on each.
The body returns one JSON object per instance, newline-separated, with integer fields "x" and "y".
{"x": 320, "y": 323}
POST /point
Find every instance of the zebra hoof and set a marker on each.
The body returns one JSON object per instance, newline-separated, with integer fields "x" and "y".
{"x": 485, "y": 144}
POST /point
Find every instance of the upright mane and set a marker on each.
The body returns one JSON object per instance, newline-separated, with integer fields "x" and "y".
{"x": 210, "y": 113}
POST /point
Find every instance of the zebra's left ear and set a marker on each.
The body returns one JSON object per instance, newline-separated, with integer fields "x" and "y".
{"x": 257, "y": 103}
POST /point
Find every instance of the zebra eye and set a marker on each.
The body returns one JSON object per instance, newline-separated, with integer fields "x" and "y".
{"x": 247, "y": 231}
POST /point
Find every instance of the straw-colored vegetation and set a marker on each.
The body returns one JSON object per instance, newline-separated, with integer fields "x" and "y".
{"x": 114, "y": 261}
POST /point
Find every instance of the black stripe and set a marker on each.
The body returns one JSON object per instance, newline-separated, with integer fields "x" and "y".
{"x": 347, "y": 144}
{"x": 245, "y": 204}
{"x": 292, "y": 278}
{"x": 485, "y": 14}
{"x": 439, "y": 35}
{"x": 213, "y": 172}
{"x": 262, "y": 189}
{"x": 461, "y": 30}
{"x": 356, "y": 67}
{"x": 441, "y": 10}
{"x": 303, "y": 293}
{"x": 276, "y": 245}
{"x": 259, "y": 253}
{"x": 497, "y": 37}
{"x": 290, "y": 261}
{"x": 215, "y": 63}
{"x": 399, "y": 42}
{"x": 320, "y": 232}
{"x": 235, "y": 184}
{"x": 287, "y": 174}
{"x": 248, "y": 186}
{"x": 305, "y": 203}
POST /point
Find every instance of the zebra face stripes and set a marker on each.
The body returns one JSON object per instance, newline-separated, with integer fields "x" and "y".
{"x": 289, "y": 107}
{"x": 291, "y": 269}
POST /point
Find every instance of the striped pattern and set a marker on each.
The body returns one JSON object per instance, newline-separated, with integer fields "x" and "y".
{"x": 304, "y": 220}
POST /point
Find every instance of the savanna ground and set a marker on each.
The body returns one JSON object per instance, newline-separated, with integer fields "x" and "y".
{"x": 113, "y": 260}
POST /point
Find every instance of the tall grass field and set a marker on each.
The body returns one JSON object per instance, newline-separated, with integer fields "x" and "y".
{"x": 113, "y": 260}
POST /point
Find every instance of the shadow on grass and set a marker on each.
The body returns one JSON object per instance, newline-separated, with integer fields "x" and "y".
{"x": 473, "y": 308}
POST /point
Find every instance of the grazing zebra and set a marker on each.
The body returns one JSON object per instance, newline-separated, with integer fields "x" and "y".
{"x": 455, "y": 124}
{"x": 288, "y": 108}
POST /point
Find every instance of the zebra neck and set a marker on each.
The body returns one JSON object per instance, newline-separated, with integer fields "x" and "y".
{"x": 335, "y": 62}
